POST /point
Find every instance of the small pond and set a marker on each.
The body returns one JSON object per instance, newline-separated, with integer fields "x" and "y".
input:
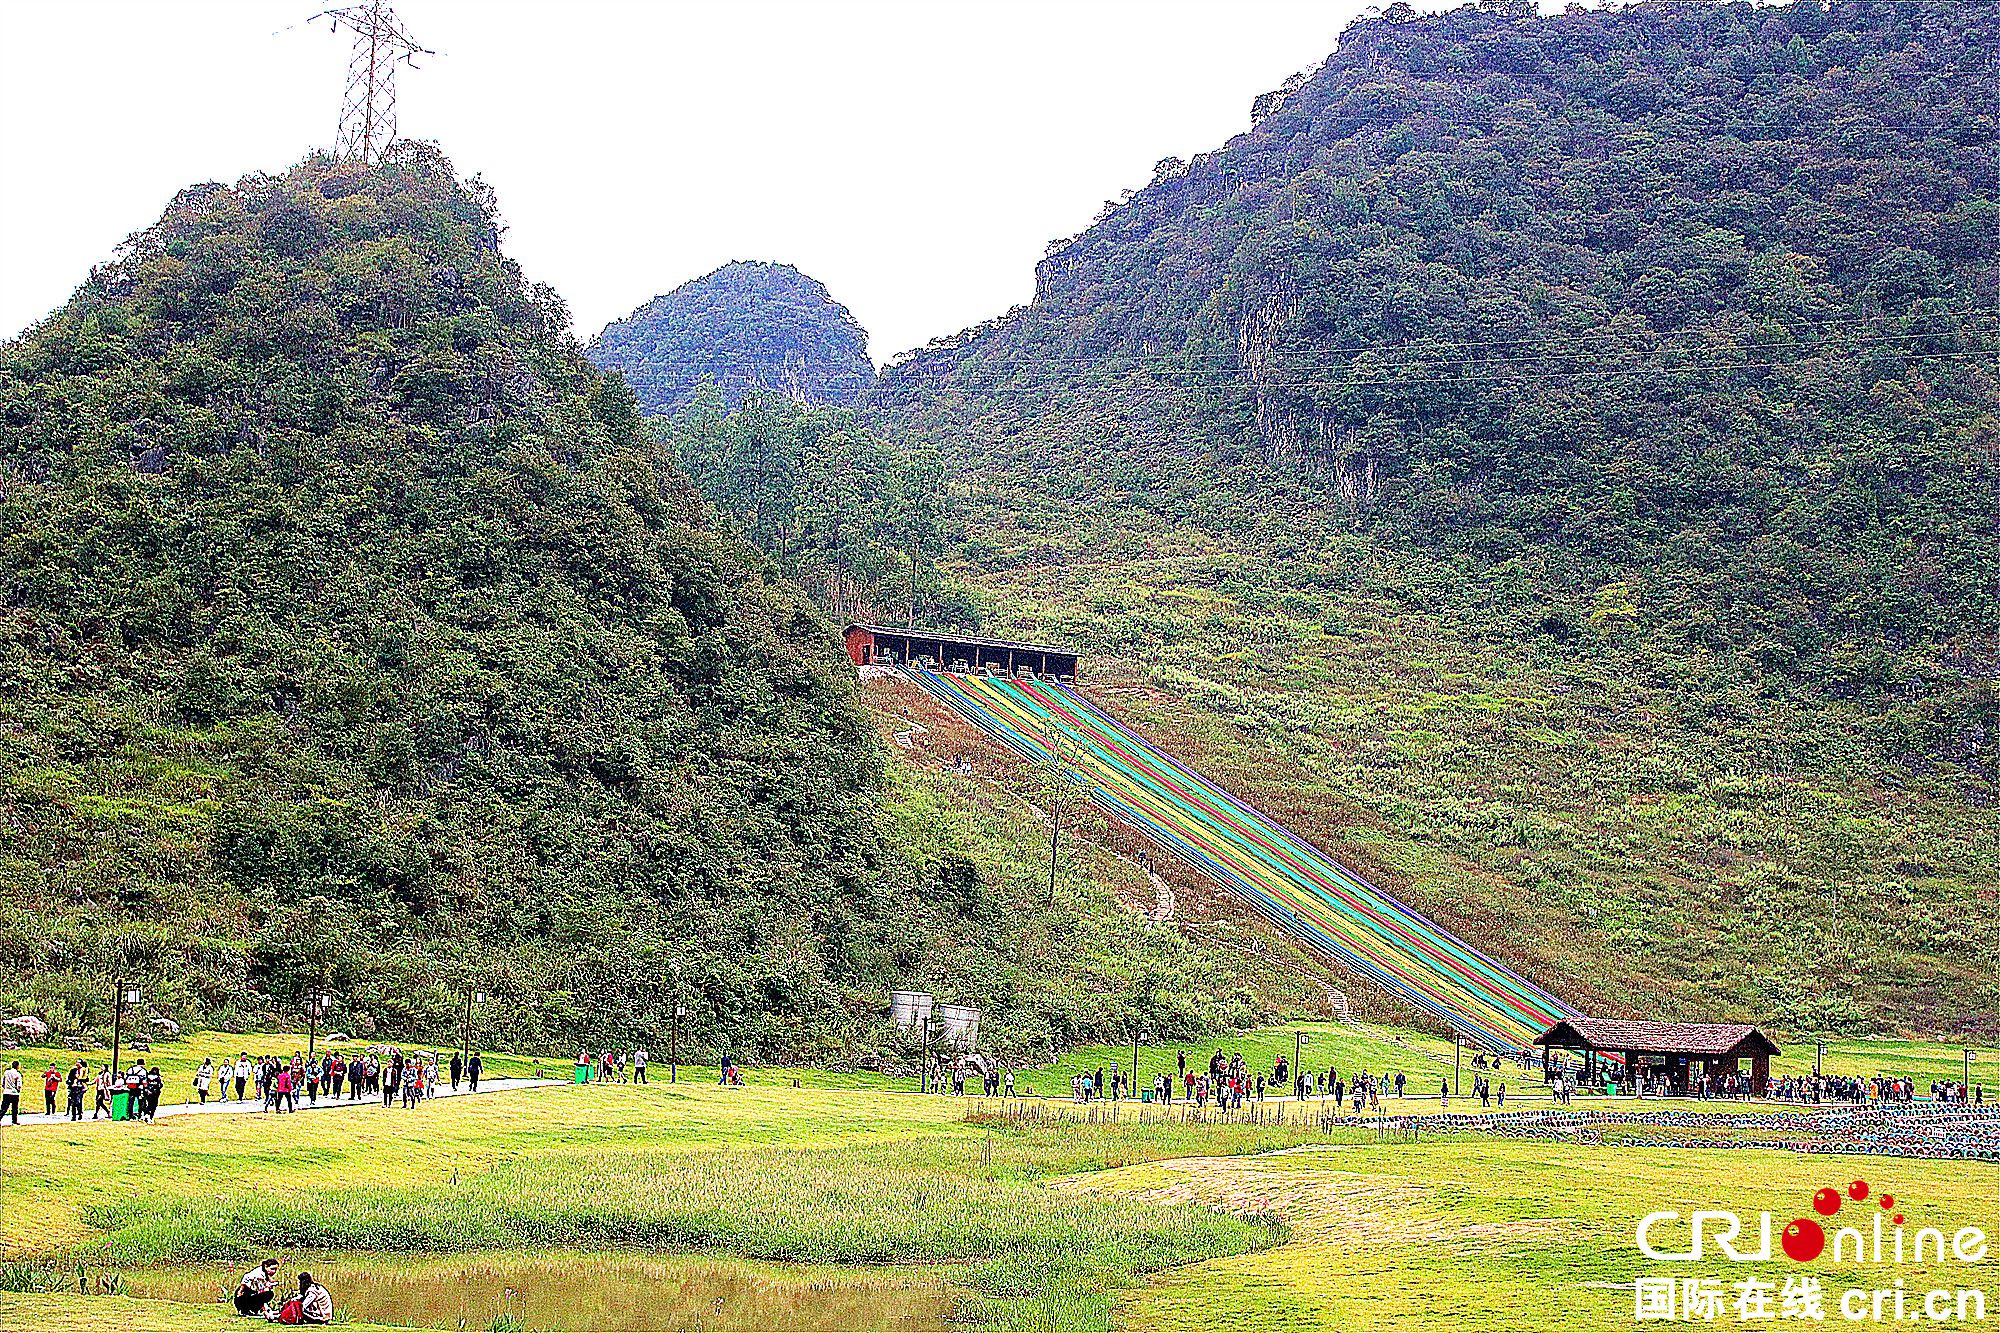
{"x": 593, "y": 1293}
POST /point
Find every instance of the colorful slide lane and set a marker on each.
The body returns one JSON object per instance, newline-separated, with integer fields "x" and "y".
{"x": 1291, "y": 882}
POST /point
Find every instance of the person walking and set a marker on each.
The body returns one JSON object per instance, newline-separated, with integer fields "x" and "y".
{"x": 336, "y": 1070}
{"x": 1444, "y": 1093}
{"x": 79, "y": 1079}
{"x": 51, "y": 1081}
{"x": 203, "y": 1077}
{"x": 472, "y": 1070}
{"x": 241, "y": 1073}
{"x": 10, "y": 1092}
{"x": 155, "y": 1084}
{"x": 103, "y": 1086}
{"x": 457, "y": 1069}
{"x": 639, "y": 1058}
{"x": 281, "y": 1089}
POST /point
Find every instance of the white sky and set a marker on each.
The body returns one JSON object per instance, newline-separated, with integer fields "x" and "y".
{"x": 914, "y": 155}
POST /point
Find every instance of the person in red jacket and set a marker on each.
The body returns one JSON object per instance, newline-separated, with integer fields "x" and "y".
{"x": 51, "y": 1084}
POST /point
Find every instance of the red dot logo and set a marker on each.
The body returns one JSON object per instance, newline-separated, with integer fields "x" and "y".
{"x": 1827, "y": 1202}
{"x": 1804, "y": 1240}
{"x": 1898, "y": 1220}
{"x": 1888, "y": 1202}
{"x": 1858, "y": 1190}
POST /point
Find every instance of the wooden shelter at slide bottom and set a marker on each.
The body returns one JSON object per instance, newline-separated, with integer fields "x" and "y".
{"x": 872, "y": 645}
{"x": 1666, "y": 1050}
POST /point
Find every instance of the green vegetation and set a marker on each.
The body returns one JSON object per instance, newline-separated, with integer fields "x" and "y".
{"x": 344, "y": 600}
{"x": 850, "y": 1178}
{"x": 358, "y": 636}
{"x": 1549, "y": 461}
{"x": 1062, "y": 1224}
{"x": 857, "y": 524}
{"x": 746, "y": 326}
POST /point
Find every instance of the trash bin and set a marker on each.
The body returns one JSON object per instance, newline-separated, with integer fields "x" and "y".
{"x": 583, "y": 1073}
{"x": 1145, "y": 1095}
{"x": 121, "y": 1105}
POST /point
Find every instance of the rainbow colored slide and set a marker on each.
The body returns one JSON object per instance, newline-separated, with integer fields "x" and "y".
{"x": 1288, "y": 880}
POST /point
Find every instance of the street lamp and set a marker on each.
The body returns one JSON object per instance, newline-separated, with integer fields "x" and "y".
{"x": 472, "y": 997}
{"x": 674, "y": 1038}
{"x": 1965, "y": 1074}
{"x": 924, "y": 1074}
{"x": 1819, "y": 1059}
{"x": 1137, "y": 1037}
{"x": 121, "y": 995}
{"x": 1455, "y": 1048}
{"x": 316, "y": 1007}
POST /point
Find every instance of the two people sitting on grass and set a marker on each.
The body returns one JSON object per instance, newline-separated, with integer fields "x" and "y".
{"x": 310, "y": 1304}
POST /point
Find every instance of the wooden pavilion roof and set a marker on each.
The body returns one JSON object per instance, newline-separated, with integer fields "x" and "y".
{"x": 1618, "y": 1034}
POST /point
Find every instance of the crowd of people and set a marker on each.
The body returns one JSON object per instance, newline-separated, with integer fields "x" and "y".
{"x": 277, "y": 1083}
{"x": 1228, "y": 1083}
{"x": 387, "y": 1072}
{"x": 617, "y": 1066}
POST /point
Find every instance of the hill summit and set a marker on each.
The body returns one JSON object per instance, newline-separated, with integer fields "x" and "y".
{"x": 747, "y": 326}
{"x": 355, "y": 633}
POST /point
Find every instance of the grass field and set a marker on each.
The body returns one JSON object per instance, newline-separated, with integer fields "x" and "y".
{"x": 1058, "y": 1225}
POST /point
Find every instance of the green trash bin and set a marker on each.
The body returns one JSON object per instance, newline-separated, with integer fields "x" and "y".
{"x": 1145, "y": 1095}
{"x": 121, "y": 1105}
{"x": 583, "y": 1073}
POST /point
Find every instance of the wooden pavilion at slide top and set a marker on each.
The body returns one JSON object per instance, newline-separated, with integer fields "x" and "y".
{"x": 869, "y": 645}
{"x": 1666, "y": 1051}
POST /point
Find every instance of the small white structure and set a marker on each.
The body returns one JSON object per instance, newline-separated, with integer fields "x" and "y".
{"x": 958, "y": 1026}
{"x": 909, "y": 1007}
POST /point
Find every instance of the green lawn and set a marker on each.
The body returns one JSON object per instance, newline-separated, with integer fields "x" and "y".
{"x": 1063, "y": 1224}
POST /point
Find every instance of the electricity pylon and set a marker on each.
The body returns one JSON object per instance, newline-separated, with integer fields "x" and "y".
{"x": 368, "y": 110}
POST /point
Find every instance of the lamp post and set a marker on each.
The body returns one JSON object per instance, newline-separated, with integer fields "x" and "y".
{"x": 1137, "y": 1037}
{"x": 1298, "y": 1047}
{"x": 924, "y": 1074}
{"x": 1965, "y": 1073}
{"x": 471, "y": 997}
{"x": 674, "y": 1032}
{"x": 1455, "y": 1048}
{"x": 121, "y": 995}
{"x": 1819, "y": 1059}
{"x": 316, "y": 1007}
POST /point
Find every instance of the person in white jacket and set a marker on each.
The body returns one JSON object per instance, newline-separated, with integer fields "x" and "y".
{"x": 315, "y": 1302}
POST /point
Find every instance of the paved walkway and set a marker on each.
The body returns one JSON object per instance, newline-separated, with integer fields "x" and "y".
{"x": 255, "y": 1107}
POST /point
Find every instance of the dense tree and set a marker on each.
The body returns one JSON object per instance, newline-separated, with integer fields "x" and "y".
{"x": 857, "y": 523}
{"x": 746, "y": 326}
{"x": 1692, "y": 301}
{"x": 334, "y": 577}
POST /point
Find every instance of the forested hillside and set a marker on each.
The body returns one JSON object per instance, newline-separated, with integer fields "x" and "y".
{"x": 356, "y": 635}
{"x": 746, "y": 326}
{"x": 1567, "y": 446}
{"x": 856, "y": 522}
